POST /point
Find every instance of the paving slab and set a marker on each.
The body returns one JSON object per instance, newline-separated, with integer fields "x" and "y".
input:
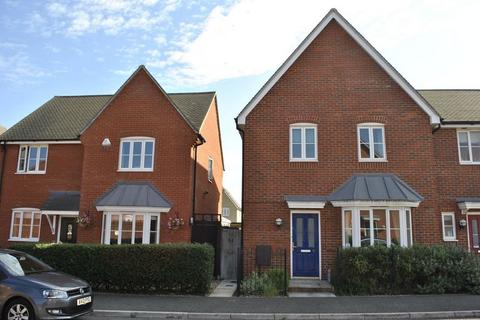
{"x": 225, "y": 289}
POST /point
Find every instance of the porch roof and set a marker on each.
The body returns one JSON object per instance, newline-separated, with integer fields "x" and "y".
{"x": 375, "y": 187}
{"x": 62, "y": 201}
{"x": 468, "y": 203}
{"x": 305, "y": 201}
{"x": 136, "y": 195}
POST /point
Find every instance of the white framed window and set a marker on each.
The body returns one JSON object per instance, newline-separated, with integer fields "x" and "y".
{"x": 210, "y": 169}
{"x": 448, "y": 226}
{"x": 469, "y": 146}
{"x": 303, "y": 142}
{"x": 25, "y": 225}
{"x": 371, "y": 142}
{"x": 32, "y": 159}
{"x": 131, "y": 228}
{"x": 136, "y": 154}
{"x": 364, "y": 227}
{"x": 226, "y": 212}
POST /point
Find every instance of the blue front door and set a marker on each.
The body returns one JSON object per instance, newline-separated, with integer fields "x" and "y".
{"x": 305, "y": 246}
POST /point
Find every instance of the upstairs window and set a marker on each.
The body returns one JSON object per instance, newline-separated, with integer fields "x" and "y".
{"x": 136, "y": 154}
{"x": 371, "y": 142}
{"x": 303, "y": 142}
{"x": 32, "y": 159}
{"x": 469, "y": 147}
{"x": 210, "y": 169}
{"x": 226, "y": 212}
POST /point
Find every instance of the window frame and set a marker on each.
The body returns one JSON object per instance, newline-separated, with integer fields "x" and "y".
{"x": 370, "y": 126}
{"x": 22, "y": 211}
{"x": 470, "y": 155}
{"x": 454, "y": 237}
{"x": 27, "y": 148}
{"x": 303, "y": 127}
{"x": 210, "y": 165}
{"x": 226, "y": 209}
{"x": 405, "y": 234}
{"x": 107, "y": 227}
{"x": 132, "y": 140}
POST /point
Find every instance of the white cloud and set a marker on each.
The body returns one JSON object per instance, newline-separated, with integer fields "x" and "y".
{"x": 252, "y": 37}
{"x": 17, "y": 68}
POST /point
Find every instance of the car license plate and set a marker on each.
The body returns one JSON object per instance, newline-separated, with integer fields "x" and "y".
{"x": 84, "y": 300}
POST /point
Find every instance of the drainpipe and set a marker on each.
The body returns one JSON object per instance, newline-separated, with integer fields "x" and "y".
{"x": 4, "y": 143}
{"x": 242, "y": 135}
{"x": 200, "y": 140}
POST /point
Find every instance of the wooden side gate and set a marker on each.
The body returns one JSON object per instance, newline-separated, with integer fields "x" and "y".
{"x": 229, "y": 246}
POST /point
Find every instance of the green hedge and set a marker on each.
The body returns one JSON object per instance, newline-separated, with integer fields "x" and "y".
{"x": 163, "y": 268}
{"x": 396, "y": 270}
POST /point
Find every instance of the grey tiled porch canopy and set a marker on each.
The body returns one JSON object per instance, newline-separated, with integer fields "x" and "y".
{"x": 375, "y": 189}
{"x": 133, "y": 196}
{"x": 65, "y": 201}
{"x": 468, "y": 203}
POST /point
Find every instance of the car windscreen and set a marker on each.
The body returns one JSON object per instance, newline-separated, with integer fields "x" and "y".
{"x": 22, "y": 264}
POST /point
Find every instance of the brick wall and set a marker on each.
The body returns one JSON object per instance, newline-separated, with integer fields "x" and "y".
{"x": 64, "y": 169}
{"x": 335, "y": 85}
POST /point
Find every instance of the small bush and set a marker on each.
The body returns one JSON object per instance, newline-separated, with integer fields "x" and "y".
{"x": 269, "y": 283}
{"x": 163, "y": 268}
{"x": 396, "y": 270}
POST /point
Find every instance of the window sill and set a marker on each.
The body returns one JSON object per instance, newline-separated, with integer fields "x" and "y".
{"x": 470, "y": 163}
{"x": 372, "y": 160}
{"x": 31, "y": 172}
{"x": 135, "y": 170}
{"x": 450, "y": 240}
{"x": 303, "y": 160}
{"x": 22, "y": 240}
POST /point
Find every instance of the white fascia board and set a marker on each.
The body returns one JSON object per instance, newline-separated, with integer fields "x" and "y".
{"x": 306, "y": 204}
{"x": 409, "y": 204}
{"x": 461, "y": 126}
{"x": 465, "y": 206}
{"x": 60, "y": 213}
{"x": 133, "y": 209}
{"x": 377, "y": 57}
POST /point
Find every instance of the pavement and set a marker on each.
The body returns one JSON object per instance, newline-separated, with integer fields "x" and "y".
{"x": 115, "y": 306}
{"x": 225, "y": 289}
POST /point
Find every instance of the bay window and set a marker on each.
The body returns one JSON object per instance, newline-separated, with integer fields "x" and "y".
{"x": 25, "y": 225}
{"x": 376, "y": 226}
{"x": 131, "y": 228}
{"x": 32, "y": 159}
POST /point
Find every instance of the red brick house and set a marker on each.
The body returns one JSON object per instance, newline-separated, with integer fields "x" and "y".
{"x": 340, "y": 150}
{"x": 125, "y": 166}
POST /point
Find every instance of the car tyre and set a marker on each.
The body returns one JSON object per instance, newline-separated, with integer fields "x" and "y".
{"x": 18, "y": 309}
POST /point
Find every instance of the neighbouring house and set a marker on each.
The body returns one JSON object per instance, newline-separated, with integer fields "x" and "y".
{"x": 2, "y": 129}
{"x": 133, "y": 167}
{"x": 341, "y": 151}
{"x": 231, "y": 211}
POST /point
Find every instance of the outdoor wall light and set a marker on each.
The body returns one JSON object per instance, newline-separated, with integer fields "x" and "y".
{"x": 278, "y": 222}
{"x": 462, "y": 223}
{"x": 106, "y": 143}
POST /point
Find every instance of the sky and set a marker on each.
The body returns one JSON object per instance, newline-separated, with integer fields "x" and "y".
{"x": 57, "y": 47}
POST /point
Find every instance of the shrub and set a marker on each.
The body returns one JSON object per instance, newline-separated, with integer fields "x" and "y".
{"x": 269, "y": 283}
{"x": 163, "y": 268}
{"x": 396, "y": 270}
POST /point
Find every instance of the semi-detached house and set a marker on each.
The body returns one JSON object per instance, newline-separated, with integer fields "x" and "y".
{"x": 341, "y": 151}
{"x": 133, "y": 167}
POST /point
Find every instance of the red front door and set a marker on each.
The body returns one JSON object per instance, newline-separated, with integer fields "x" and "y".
{"x": 474, "y": 227}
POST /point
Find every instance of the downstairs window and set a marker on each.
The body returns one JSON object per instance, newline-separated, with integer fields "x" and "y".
{"x": 364, "y": 227}
{"x": 131, "y": 228}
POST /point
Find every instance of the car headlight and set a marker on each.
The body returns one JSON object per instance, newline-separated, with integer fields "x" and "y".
{"x": 54, "y": 294}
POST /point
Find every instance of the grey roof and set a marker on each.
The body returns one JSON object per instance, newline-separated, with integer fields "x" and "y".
{"x": 65, "y": 117}
{"x": 375, "y": 187}
{"x": 468, "y": 199}
{"x": 62, "y": 201}
{"x": 134, "y": 194}
{"x": 454, "y": 105}
{"x": 301, "y": 198}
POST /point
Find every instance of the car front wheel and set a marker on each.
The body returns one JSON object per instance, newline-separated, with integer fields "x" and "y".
{"x": 18, "y": 309}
